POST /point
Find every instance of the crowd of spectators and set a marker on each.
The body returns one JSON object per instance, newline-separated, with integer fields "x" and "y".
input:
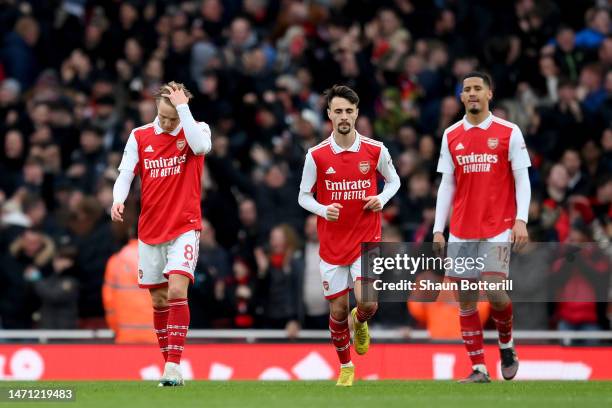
{"x": 77, "y": 75}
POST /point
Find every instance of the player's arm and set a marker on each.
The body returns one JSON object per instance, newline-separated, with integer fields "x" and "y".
{"x": 446, "y": 190}
{"x": 392, "y": 182}
{"x": 127, "y": 168}
{"x": 197, "y": 134}
{"x": 520, "y": 162}
{"x": 306, "y": 197}
{"x": 444, "y": 200}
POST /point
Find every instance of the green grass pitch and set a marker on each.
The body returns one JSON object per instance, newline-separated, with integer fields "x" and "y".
{"x": 323, "y": 394}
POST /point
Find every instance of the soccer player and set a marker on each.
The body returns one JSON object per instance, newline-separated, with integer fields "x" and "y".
{"x": 168, "y": 155}
{"x": 342, "y": 172}
{"x": 483, "y": 161}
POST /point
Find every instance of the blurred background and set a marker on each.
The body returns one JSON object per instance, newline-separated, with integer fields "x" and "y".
{"x": 76, "y": 76}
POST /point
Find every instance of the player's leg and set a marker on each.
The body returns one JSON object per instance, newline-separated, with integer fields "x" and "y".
{"x": 341, "y": 338}
{"x": 178, "y": 324}
{"x": 471, "y": 332}
{"x": 159, "y": 297}
{"x": 181, "y": 260}
{"x": 151, "y": 263}
{"x": 178, "y": 318}
{"x": 366, "y": 308}
{"x": 335, "y": 288}
{"x": 497, "y": 263}
{"x": 501, "y": 312}
{"x": 469, "y": 320}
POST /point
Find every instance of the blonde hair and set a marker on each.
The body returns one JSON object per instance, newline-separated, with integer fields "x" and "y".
{"x": 162, "y": 90}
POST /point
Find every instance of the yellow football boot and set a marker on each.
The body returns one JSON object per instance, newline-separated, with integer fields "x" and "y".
{"x": 361, "y": 337}
{"x": 346, "y": 377}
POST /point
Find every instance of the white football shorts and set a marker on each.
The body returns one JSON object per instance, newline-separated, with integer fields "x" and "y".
{"x": 339, "y": 279}
{"x": 492, "y": 253}
{"x": 179, "y": 255}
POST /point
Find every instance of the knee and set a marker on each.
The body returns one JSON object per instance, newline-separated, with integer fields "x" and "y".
{"x": 499, "y": 303}
{"x": 498, "y": 299}
{"x": 176, "y": 292}
{"x": 159, "y": 298}
{"x": 369, "y": 307}
{"x": 338, "y": 313}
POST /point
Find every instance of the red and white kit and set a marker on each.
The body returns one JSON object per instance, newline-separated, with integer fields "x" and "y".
{"x": 482, "y": 160}
{"x": 346, "y": 177}
{"x": 170, "y": 218}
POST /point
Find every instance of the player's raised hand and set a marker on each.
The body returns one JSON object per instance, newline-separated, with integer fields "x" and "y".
{"x": 519, "y": 235}
{"x": 372, "y": 203}
{"x": 333, "y": 212}
{"x": 175, "y": 95}
{"x": 117, "y": 212}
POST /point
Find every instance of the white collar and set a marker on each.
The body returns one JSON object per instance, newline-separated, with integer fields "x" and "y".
{"x": 482, "y": 125}
{"x": 354, "y": 147}
{"x": 159, "y": 130}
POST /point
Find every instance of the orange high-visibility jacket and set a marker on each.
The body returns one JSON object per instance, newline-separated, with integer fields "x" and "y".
{"x": 441, "y": 317}
{"x": 128, "y": 308}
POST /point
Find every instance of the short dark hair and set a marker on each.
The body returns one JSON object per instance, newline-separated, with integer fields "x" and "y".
{"x": 341, "y": 91}
{"x": 479, "y": 74}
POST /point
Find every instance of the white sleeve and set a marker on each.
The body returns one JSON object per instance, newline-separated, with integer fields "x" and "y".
{"x": 308, "y": 202}
{"x": 392, "y": 180}
{"x": 306, "y": 197}
{"x": 522, "y": 185}
{"x": 446, "y": 192}
{"x": 121, "y": 189}
{"x": 130, "y": 154}
{"x": 445, "y": 163}
{"x": 197, "y": 134}
{"x": 517, "y": 151}
{"x": 309, "y": 174}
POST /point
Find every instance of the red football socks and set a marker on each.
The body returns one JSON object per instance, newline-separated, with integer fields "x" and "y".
{"x": 160, "y": 323}
{"x": 178, "y": 324}
{"x": 471, "y": 331}
{"x": 341, "y": 338}
{"x": 503, "y": 322}
{"x": 364, "y": 316}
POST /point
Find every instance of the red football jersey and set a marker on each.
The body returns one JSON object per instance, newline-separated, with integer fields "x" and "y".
{"x": 171, "y": 183}
{"x": 347, "y": 177}
{"x": 482, "y": 159}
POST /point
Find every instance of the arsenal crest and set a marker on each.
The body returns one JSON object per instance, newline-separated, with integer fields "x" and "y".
{"x": 492, "y": 142}
{"x": 140, "y": 274}
{"x": 364, "y": 167}
{"x": 325, "y": 285}
{"x": 180, "y": 144}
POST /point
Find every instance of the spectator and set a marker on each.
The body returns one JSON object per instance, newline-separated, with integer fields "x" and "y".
{"x": 597, "y": 28}
{"x": 28, "y": 261}
{"x": 89, "y": 161}
{"x": 579, "y": 281}
{"x": 59, "y": 293}
{"x": 316, "y": 311}
{"x": 19, "y": 51}
{"x": 95, "y": 244}
{"x": 592, "y": 92}
{"x": 207, "y": 299}
{"x": 279, "y": 273}
{"x": 276, "y": 199}
{"x": 577, "y": 183}
{"x": 126, "y": 306}
{"x": 568, "y": 56}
